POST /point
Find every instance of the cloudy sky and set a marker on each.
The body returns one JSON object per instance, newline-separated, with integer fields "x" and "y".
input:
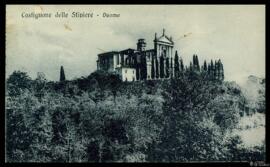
{"x": 234, "y": 34}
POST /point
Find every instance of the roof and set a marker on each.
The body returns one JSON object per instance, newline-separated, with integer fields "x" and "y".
{"x": 129, "y": 50}
{"x": 105, "y": 53}
{"x": 108, "y": 53}
{"x": 164, "y": 39}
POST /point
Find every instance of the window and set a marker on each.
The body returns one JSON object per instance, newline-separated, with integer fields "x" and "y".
{"x": 125, "y": 71}
{"x": 133, "y": 71}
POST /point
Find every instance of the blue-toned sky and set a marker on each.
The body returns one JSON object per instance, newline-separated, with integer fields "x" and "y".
{"x": 234, "y": 34}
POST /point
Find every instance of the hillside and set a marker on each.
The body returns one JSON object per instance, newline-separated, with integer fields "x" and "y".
{"x": 251, "y": 127}
{"x": 101, "y": 119}
{"x": 254, "y": 91}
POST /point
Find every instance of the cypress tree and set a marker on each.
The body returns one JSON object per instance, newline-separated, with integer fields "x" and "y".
{"x": 176, "y": 65}
{"x": 152, "y": 68}
{"x": 218, "y": 71}
{"x": 137, "y": 68}
{"x": 157, "y": 68}
{"x": 209, "y": 71}
{"x": 194, "y": 60}
{"x": 212, "y": 68}
{"x": 171, "y": 69}
{"x": 205, "y": 66}
{"x": 167, "y": 67}
{"x": 187, "y": 68}
{"x": 222, "y": 71}
{"x": 191, "y": 66}
{"x": 144, "y": 68}
{"x": 161, "y": 67}
{"x": 181, "y": 64}
{"x": 196, "y": 66}
{"x": 62, "y": 74}
{"x": 197, "y": 63}
{"x": 215, "y": 71}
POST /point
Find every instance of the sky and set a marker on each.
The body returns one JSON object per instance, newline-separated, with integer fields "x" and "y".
{"x": 233, "y": 33}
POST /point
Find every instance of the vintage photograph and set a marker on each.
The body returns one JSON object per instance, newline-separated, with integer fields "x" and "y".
{"x": 135, "y": 83}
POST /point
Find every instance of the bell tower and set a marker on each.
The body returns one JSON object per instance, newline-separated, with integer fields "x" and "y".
{"x": 141, "y": 45}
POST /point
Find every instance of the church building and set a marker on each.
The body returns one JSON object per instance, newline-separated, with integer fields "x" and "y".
{"x": 141, "y": 64}
{"x": 158, "y": 63}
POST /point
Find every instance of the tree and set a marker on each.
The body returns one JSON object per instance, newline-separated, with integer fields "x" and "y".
{"x": 143, "y": 68}
{"x": 194, "y": 60}
{"x": 198, "y": 64}
{"x": 171, "y": 68}
{"x": 137, "y": 68}
{"x": 212, "y": 69}
{"x": 152, "y": 68}
{"x": 189, "y": 130}
{"x": 171, "y": 120}
{"x": 261, "y": 98}
{"x": 205, "y": 66}
{"x": 115, "y": 84}
{"x": 40, "y": 125}
{"x": 18, "y": 82}
{"x": 222, "y": 71}
{"x": 176, "y": 65}
{"x": 215, "y": 70}
{"x": 167, "y": 67}
{"x": 157, "y": 67}
{"x": 18, "y": 134}
{"x": 181, "y": 65}
{"x": 68, "y": 143}
{"x": 209, "y": 71}
{"x": 161, "y": 67}
{"x": 62, "y": 74}
{"x": 39, "y": 85}
{"x": 191, "y": 66}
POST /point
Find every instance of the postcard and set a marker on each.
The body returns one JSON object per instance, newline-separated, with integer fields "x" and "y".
{"x": 135, "y": 83}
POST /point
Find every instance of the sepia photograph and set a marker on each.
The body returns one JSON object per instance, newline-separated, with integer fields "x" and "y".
{"x": 135, "y": 83}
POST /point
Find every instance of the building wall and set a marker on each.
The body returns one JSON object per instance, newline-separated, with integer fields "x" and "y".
{"x": 149, "y": 56}
{"x": 159, "y": 50}
{"x": 128, "y": 74}
{"x": 108, "y": 61}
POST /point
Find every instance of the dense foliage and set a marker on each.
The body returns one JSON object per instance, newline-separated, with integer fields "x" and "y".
{"x": 101, "y": 119}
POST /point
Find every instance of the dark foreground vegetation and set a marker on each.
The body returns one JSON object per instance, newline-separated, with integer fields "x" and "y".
{"x": 101, "y": 119}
